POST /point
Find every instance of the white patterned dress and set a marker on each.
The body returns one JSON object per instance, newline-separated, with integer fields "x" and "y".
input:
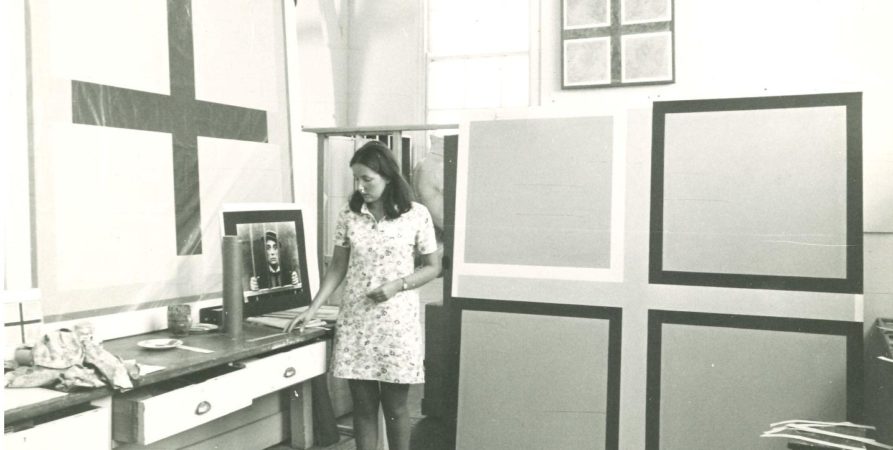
{"x": 381, "y": 341}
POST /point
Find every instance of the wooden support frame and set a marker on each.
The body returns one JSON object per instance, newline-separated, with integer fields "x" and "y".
{"x": 396, "y": 132}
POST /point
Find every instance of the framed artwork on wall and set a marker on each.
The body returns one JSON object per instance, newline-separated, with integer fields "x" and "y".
{"x": 760, "y": 193}
{"x": 607, "y": 43}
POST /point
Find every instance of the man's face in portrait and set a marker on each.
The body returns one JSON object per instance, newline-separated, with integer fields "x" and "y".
{"x": 272, "y": 250}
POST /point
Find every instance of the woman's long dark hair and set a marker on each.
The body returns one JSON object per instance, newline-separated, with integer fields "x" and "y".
{"x": 397, "y": 196}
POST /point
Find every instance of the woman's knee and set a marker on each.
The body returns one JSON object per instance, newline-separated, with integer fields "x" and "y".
{"x": 395, "y": 411}
{"x": 394, "y": 399}
{"x": 366, "y": 397}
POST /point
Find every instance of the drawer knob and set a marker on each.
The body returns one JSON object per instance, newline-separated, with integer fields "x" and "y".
{"x": 290, "y": 372}
{"x": 202, "y": 408}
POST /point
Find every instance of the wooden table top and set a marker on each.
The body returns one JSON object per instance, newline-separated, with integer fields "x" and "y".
{"x": 255, "y": 340}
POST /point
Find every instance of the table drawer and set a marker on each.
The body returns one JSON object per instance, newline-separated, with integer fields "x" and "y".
{"x": 278, "y": 371}
{"x": 157, "y": 412}
{"x": 65, "y": 432}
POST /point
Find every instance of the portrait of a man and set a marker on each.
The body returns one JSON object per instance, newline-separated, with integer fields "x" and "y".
{"x": 270, "y": 256}
{"x": 274, "y": 273}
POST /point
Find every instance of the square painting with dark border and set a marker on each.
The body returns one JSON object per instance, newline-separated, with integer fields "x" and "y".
{"x": 609, "y": 43}
{"x": 711, "y": 362}
{"x": 274, "y": 261}
{"x": 762, "y": 193}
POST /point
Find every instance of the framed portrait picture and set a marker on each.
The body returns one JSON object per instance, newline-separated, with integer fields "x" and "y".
{"x": 274, "y": 261}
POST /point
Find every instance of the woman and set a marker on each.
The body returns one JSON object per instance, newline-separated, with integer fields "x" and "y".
{"x": 378, "y": 340}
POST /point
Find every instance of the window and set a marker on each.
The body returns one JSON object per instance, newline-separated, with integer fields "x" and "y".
{"x": 478, "y": 56}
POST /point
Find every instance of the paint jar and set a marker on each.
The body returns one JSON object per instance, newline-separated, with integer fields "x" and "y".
{"x": 179, "y": 319}
{"x": 24, "y": 356}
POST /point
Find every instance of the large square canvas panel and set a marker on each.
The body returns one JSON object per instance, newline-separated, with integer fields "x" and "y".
{"x": 759, "y": 193}
{"x": 765, "y": 369}
{"x": 569, "y": 398}
{"x": 542, "y": 198}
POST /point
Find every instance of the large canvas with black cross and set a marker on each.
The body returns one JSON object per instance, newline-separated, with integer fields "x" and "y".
{"x": 147, "y": 118}
{"x": 607, "y": 43}
{"x": 719, "y": 380}
{"x": 759, "y": 193}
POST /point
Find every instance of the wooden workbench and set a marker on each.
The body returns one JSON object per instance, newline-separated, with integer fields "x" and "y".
{"x": 255, "y": 341}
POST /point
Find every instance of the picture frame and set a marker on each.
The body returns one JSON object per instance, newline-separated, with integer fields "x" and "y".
{"x": 608, "y": 43}
{"x": 274, "y": 262}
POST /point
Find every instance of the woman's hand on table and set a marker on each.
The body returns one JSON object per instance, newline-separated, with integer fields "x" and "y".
{"x": 299, "y": 321}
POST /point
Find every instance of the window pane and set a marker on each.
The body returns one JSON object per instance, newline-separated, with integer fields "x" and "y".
{"x": 445, "y": 115}
{"x": 482, "y": 87}
{"x": 515, "y": 81}
{"x": 478, "y": 56}
{"x": 446, "y": 86}
{"x": 464, "y": 27}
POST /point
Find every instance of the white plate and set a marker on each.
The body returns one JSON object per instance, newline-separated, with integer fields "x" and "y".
{"x": 160, "y": 344}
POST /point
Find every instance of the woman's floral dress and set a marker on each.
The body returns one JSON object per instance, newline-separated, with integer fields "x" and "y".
{"x": 381, "y": 341}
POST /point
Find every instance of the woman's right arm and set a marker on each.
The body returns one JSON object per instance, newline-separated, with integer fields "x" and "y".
{"x": 334, "y": 275}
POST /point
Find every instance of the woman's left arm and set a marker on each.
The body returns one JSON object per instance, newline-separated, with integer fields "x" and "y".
{"x": 430, "y": 268}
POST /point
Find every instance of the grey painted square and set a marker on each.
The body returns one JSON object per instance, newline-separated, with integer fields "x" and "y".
{"x": 587, "y": 61}
{"x": 561, "y": 399}
{"x": 731, "y": 383}
{"x": 647, "y": 57}
{"x": 586, "y": 13}
{"x": 757, "y": 192}
{"x": 539, "y": 192}
{"x": 639, "y": 11}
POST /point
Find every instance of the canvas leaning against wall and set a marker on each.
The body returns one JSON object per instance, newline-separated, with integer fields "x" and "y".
{"x": 147, "y": 118}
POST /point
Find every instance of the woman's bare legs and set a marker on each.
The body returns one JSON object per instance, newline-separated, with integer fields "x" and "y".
{"x": 366, "y": 397}
{"x": 396, "y": 414}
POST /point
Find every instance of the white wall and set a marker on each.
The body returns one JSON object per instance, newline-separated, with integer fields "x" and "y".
{"x": 386, "y": 82}
{"x": 362, "y": 62}
{"x": 318, "y": 71}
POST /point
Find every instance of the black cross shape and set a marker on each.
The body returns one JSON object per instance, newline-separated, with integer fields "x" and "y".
{"x": 179, "y": 113}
